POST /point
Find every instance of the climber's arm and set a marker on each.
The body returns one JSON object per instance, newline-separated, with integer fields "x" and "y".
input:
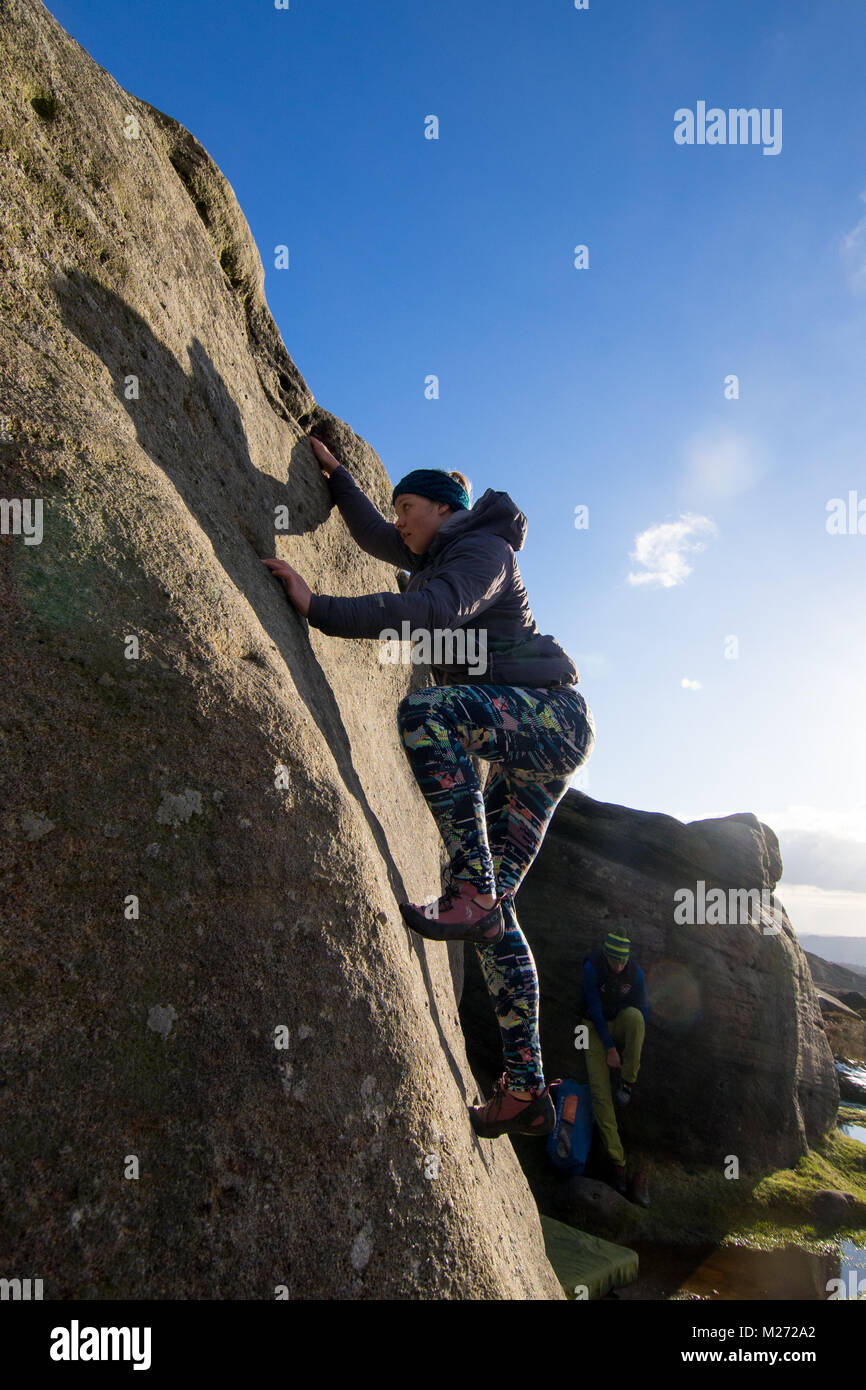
{"x": 593, "y": 1004}
{"x": 366, "y": 524}
{"x": 475, "y": 575}
{"x": 640, "y": 996}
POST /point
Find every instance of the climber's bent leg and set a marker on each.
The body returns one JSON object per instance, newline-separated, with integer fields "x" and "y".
{"x": 540, "y": 735}
{"x": 440, "y": 727}
{"x": 554, "y": 736}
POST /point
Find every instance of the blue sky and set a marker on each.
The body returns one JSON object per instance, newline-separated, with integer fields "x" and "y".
{"x": 601, "y": 387}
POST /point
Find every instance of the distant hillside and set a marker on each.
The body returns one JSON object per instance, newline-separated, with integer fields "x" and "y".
{"x": 841, "y": 953}
{"x": 834, "y": 977}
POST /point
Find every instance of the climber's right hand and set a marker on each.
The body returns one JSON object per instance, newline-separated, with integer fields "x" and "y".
{"x": 613, "y": 1058}
{"x": 327, "y": 462}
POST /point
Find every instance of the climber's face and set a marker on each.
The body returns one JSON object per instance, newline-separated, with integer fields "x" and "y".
{"x": 418, "y": 519}
{"x": 615, "y": 965}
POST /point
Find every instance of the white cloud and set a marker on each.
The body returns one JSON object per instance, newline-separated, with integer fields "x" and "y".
{"x": 854, "y": 253}
{"x": 662, "y": 550}
{"x": 821, "y": 848}
{"x": 849, "y": 824}
{"x": 690, "y": 685}
{"x": 822, "y": 912}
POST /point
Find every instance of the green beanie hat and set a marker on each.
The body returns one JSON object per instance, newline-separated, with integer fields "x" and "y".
{"x": 617, "y": 947}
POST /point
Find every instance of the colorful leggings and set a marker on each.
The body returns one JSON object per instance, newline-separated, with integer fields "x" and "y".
{"x": 536, "y": 738}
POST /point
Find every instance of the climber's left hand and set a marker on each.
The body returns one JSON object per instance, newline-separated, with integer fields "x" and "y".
{"x": 299, "y": 593}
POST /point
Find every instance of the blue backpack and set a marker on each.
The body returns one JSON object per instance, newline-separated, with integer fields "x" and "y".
{"x": 569, "y": 1141}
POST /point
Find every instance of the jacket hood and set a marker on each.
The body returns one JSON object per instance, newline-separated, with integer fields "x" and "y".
{"x": 494, "y": 512}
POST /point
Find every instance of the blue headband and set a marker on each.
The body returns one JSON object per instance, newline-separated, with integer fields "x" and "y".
{"x": 436, "y": 484}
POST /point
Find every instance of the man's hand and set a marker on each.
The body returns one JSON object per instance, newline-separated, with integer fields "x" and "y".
{"x": 299, "y": 593}
{"x": 613, "y": 1058}
{"x": 327, "y": 462}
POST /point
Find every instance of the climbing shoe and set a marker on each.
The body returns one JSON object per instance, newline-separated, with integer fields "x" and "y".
{"x": 457, "y": 916}
{"x": 623, "y": 1092}
{"x": 640, "y": 1190}
{"x": 506, "y": 1113}
{"x": 619, "y": 1179}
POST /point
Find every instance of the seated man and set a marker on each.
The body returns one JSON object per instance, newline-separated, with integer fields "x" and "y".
{"x": 614, "y": 1005}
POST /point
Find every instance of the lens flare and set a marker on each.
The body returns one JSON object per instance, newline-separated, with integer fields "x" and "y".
{"x": 674, "y": 994}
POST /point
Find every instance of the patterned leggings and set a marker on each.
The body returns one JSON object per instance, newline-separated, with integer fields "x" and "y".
{"x": 536, "y": 738}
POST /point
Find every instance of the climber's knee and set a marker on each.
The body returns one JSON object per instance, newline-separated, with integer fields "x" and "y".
{"x": 407, "y": 707}
{"x": 631, "y": 1024}
{"x": 414, "y": 709}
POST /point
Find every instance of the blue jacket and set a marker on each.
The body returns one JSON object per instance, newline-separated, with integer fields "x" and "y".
{"x": 471, "y": 568}
{"x": 591, "y": 1005}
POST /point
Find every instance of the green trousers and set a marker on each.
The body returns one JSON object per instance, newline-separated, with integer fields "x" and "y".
{"x": 627, "y": 1031}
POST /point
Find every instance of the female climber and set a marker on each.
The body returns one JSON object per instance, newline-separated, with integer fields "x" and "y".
{"x": 522, "y": 713}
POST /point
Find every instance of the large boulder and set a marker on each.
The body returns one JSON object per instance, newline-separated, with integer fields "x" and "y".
{"x": 229, "y": 1068}
{"x": 736, "y": 1061}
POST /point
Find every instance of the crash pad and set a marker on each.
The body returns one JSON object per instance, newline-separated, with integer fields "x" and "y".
{"x": 585, "y": 1262}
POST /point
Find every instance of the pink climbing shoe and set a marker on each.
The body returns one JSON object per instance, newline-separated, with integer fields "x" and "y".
{"x": 507, "y": 1113}
{"x": 457, "y": 916}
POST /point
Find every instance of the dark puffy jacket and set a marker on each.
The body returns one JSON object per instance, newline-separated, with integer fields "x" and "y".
{"x": 604, "y": 992}
{"x": 470, "y": 569}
